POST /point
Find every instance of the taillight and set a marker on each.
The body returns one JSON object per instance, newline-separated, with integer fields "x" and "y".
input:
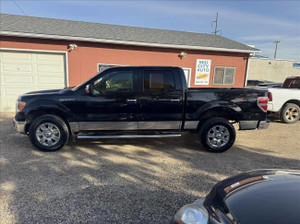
{"x": 262, "y": 102}
{"x": 270, "y": 97}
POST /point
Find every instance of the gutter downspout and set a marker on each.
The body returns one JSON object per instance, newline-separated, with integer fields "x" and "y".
{"x": 247, "y": 71}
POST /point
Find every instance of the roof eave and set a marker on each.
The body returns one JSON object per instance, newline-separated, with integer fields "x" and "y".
{"x": 132, "y": 43}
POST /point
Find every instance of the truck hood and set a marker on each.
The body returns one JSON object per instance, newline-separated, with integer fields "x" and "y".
{"x": 56, "y": 91}
{"x": 44, "y": 94}
{"x": 51, "y": 91}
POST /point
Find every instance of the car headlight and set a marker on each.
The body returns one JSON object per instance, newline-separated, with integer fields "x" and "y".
{"x": 192, "y": 214}
{"x": 20, "y": 105}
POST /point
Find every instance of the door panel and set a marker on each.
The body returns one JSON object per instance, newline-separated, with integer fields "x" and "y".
{"x": 108, "y": 126}
{"x": 113, "y": 105}
{"x": 159, "y": 125}
{"x": 161, "y": 102}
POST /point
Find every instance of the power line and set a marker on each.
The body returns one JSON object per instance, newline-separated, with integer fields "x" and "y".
{"x": 19, "y": 7}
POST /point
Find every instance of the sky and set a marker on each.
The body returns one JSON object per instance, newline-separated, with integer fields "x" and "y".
{"x": 257, "y": 23}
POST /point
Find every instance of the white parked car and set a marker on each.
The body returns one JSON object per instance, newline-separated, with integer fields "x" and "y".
{"x": 285, "y": 101}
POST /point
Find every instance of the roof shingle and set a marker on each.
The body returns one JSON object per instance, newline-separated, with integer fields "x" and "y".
{"x": 28, "y": 25}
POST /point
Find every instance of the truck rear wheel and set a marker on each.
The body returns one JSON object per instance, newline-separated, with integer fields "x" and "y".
{"x": 217, "y": 135}
{"x": 48, "y": 133}
{"x": 290, "y": 113}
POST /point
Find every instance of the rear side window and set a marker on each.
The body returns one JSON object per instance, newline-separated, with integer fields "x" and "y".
{"x": 295, "y": 84}
{"x": 158, "y": 80}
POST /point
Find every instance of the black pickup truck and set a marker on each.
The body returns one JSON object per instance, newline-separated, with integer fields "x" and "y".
{"x": 133, "y": 102}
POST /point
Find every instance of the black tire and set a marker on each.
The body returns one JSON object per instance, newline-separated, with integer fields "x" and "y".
{"x": 225, "y": 134}
{"x": 290, "y": 113}
{"x": 47, "y": 120}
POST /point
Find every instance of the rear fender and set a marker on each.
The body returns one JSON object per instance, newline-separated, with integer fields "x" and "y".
{"x": 218, "y": 108}
{"x": 213, "y": 109}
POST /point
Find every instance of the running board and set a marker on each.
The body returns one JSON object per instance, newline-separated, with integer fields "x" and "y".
{"x": 127, "y": 136}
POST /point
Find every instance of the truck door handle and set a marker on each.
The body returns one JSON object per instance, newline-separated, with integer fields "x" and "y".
{"x": 131, "y": 100}
{"x": 175, "y": 100}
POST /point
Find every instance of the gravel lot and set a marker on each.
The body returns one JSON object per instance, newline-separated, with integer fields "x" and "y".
{"x": 126, "y": 181}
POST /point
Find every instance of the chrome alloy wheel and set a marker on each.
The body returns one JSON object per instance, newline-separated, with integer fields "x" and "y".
{"x": 47, "y": 134}
{"x": 218, "y": 136}
{"x": 291, "y": 113}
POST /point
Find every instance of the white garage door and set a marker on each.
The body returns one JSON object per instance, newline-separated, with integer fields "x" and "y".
{"x": 22, "y": 72}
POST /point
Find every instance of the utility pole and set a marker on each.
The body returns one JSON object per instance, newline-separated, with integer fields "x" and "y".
{"x": 276, "y": 42}
{"x": 216, "y": 26}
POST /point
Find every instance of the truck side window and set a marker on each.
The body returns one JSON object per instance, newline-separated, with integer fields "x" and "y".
{"x": 119, "y": 81}
{"x": 158, "y": 80}
{"x": 295, "y": 84}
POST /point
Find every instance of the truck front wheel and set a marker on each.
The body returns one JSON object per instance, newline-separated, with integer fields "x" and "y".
{"x": 290, "y": 113}
{"x": 48, "y": 133}
{"x": 217, "y": 135}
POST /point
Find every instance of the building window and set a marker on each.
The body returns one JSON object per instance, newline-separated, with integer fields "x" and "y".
{"x": 224, "y": 75}
{"x": 102, "y": 67}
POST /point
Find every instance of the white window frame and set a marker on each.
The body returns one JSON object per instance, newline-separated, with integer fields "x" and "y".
{"x": 189, "y": 82}
{"x": 223, "y": 84}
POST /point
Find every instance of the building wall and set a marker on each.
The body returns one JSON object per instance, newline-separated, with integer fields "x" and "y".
{"x": 82, "y": 62}
{"x": 271, "y": 70}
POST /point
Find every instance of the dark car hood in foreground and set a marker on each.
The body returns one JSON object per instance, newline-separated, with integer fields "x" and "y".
{"x": 264, "y": 196}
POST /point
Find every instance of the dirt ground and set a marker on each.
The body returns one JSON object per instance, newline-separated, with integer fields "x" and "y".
{"x": 126, "y": 181}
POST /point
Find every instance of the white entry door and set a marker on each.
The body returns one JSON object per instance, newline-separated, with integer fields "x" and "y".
{"x": 187, "y": 73}
{"x": 22, "y": 72}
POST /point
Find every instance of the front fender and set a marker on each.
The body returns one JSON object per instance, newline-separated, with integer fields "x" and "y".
{"x": 45, "y": 106}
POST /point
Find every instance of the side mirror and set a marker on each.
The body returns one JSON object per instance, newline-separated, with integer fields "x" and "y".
{"x": 89, "y": 89}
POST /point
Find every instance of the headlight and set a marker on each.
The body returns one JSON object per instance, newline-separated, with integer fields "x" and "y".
{"x": 192, "y": 214}
{"x": 20, "y": 106}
